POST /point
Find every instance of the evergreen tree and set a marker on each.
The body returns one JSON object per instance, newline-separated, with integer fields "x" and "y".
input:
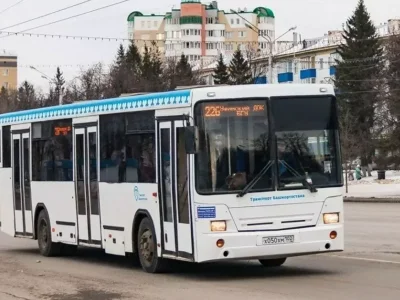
{"x": 357, "y": 79}
{"x": 151, "y": 69}
{"x": 184, "y": 74}
{"x": 119, "y": 73}
{"x": 221, "y": 75}
{"x": 133, "y": 58}
{"x": 120, "y": 55}
{"x": 4, "y": 100}
{"x": 146, "y": 66}
{"x": 60, "y": 81}
{"x": 26, "y": 96}
{"x": 239, "y": 69}
{"x": 133, "y": 61}
{"x": 157, "y": 68}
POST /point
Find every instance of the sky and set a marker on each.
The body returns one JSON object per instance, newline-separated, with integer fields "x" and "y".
{"x": 313, "y": 18}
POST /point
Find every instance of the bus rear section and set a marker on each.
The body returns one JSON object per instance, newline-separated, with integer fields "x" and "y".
{"x": 267, "y": 178}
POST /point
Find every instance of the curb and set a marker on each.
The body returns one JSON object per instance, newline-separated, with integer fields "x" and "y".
{"x": 371, "y": 200}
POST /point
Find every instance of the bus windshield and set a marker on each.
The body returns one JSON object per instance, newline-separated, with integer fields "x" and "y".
{"x": 234, "y": 145}
{"x": 306, "y": 131}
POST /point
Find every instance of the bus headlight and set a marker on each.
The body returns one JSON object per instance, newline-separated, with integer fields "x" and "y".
{"x": 331, "y": 218}
{"x": 218, "y": 226}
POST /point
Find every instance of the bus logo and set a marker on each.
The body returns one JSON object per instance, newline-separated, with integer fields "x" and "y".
{"x": 138, "y": 195}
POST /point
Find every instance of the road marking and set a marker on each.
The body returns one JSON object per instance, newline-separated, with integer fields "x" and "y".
{"x": 365, "y": 259}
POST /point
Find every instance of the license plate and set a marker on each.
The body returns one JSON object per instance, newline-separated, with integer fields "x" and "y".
{"x": 275, "y": 240}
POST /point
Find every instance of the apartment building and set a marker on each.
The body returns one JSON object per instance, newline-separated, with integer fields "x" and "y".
{"x": 313, "y": 60}
{"x": 8, "y": 70}
{"x": 202, "y": 31}
{"x": 308, "y": 60}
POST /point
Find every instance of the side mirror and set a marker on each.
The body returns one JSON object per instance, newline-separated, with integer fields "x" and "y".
{"x": 191, "y": 139}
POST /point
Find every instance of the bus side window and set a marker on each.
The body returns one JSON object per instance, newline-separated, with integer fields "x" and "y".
{"x": 182, "y": 177}
{"x": 127, "y": 148}
{"x": 6, "y": 147}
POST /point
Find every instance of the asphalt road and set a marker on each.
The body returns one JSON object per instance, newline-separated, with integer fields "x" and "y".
{"x": 368, "y": 269}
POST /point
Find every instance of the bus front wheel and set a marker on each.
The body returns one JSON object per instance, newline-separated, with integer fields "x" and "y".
{"x": 272, "y": 263}
{"x": 46, "y": 245}
{"x": 147, "y": 248}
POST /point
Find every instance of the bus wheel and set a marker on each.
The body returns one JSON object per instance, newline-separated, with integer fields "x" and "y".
{"x": 46, "y": 246}
{"x": 272, "y": 263}
{"x": 147, "y": 248}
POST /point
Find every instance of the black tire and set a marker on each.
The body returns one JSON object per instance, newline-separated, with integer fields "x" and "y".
{"x": 272, "y": 263}
{"x": 46, "y": 245}
{"x": 147, "y": 248}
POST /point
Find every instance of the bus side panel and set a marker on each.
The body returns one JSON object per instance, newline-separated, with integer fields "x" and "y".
{"x": 59, "y": 199}
{"x": 119, "y": 203}
{"x": 6, "y": 202}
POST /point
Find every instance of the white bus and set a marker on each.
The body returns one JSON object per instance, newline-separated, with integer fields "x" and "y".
{"x": 200, "y": 175}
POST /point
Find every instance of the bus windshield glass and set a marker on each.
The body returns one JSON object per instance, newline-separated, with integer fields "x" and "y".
{"x": 234, "y": 145}
{"x": 306, "y": 130}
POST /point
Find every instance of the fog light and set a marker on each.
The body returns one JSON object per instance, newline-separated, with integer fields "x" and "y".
{"x": 331, "y": 218}
{"x": 333, "y": 235}
{"x": 220, "y": 243}
{"x": 218, "y": 226}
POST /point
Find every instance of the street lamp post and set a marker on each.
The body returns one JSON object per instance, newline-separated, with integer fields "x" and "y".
{"x": 61, "y": 92}
{"x": 271, "y": 42}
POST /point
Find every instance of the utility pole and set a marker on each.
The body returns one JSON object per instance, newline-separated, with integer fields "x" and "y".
{"x": 51, "y": 81}
{"x": 271, "y": 42}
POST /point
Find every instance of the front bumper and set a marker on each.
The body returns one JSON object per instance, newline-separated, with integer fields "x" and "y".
{"x": 248, "y": 245}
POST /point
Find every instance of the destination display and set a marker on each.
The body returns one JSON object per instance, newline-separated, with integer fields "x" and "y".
{"x": 253, "y": 108}
{"x": 64, "y": 130}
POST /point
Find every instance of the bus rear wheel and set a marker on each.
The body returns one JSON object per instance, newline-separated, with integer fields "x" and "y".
{"x": 46, "y": 245}
{"x": 147, "y": 248}
{"x": 272, "y": 263}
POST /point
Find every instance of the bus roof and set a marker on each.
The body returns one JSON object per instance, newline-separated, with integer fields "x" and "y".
{"x": 85, "y": 108}
{"x": 179, "y": 98}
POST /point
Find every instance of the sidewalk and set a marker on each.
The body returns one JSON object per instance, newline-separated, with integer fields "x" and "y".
{"x": 370, "y": 189}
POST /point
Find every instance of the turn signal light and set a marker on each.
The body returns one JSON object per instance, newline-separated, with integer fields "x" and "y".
{"x": 220, "y": 243}
{"x": 333, "y": 235}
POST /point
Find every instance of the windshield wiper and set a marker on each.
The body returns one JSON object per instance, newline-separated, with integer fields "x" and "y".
{"x": 304, "y": 181}
{"x": 255, "y": 179}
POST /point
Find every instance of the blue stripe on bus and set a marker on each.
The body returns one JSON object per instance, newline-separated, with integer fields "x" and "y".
{"x": 77, "y": 109}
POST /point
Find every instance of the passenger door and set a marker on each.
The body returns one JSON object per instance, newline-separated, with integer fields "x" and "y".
{"x": 86, "y": 184}
{"x": 21, "y": 162}
{"x": 173, "y": 179}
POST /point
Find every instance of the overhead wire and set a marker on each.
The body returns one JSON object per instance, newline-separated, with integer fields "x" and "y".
{"x": 163, "y": 42}
{"x": 68, "y": 18}
{"x": 8, "y": 8}
{"x": 46, "y": 15}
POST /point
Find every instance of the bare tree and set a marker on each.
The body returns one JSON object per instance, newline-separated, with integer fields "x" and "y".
{"x": 92, "y": 84}
{"x": 257, "y": 64}
{"x": 392, "y": 54}
{"x": 349, "y": 145}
